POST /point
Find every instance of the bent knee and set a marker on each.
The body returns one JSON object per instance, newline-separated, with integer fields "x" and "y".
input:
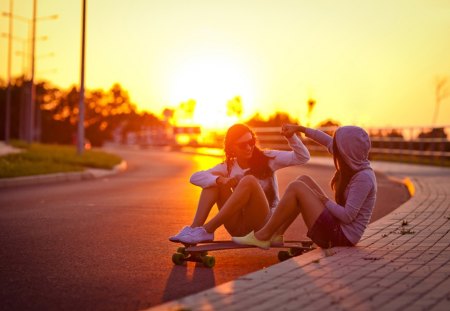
{"x": 248, "y": 180}
{"x": 305, "y": 178}
{"x": 296, "y": 185}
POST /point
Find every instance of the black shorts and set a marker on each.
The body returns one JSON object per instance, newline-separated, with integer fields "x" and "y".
{"x": 326, "y": 231}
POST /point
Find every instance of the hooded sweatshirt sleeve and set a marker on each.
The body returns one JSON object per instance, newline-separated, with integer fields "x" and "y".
{"x": 207, "y": 178}
{"x": 299, "y": 154}
{"x": 320, "y": 137}
{"x": 358, "y": 190}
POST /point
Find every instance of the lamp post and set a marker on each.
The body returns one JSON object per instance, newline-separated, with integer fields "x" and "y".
{"x": 24, "y": 53}
{"x": 29, "y": 136}
{"x": 80, "y": 138}
{"x": 8, "y": 91}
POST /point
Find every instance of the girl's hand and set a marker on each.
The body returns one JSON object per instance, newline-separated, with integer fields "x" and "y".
{"x": 323, "y": 198}
{"x": 231, "y": 182}
{"x": 287, "y": 130}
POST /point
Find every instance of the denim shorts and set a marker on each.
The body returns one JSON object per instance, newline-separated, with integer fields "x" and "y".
{"x": 326, "y": 231}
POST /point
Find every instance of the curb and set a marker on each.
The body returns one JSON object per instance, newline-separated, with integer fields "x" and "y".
{"x": 88, "y": 174}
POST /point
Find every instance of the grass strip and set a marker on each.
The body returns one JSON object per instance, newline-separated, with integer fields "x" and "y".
{"x": 37, "y": 159}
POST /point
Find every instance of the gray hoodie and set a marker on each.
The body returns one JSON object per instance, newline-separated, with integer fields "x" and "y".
{"x": 354, "y": 145}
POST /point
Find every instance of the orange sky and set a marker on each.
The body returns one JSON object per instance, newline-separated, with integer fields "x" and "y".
{"x": 370, "y": 63}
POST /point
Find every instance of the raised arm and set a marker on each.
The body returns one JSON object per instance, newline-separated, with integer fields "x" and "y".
{"x": 298, "y": 155}
{"x": 318, "y": 136}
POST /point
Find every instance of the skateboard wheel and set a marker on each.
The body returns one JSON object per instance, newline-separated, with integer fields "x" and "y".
{"x": 307, "y": 243}
{"x": 182, "y": 250}
{"x": 178, "y": 259}
{"x": 209, "y": 261}
{"x": 295, "y": 252}
{"x": 283, "y": 255}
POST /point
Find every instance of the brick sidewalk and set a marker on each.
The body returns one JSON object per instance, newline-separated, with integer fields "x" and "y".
{"x": 402, "y": 262}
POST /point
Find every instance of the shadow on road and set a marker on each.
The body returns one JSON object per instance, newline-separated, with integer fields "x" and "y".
{"x": 188, "y": 279}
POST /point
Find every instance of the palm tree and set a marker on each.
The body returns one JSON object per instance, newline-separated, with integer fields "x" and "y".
{"x": 311, "y": 103}
{"x": 441, "y": 92}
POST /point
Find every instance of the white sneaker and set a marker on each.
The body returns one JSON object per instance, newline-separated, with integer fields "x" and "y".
{"x": 250, "y": 239}
{"x": 184, "y": 231}
{"x": 197, "y": 235}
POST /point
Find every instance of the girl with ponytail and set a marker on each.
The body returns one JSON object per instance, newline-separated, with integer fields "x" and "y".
{"x": 244, "y": 187}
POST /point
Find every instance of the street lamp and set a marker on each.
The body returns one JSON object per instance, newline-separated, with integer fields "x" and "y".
{"x": 80, "y": 137}
{"x": 24, "y": 53}
{"x": 32, "y": 31}
{"x": 8, "y": 92}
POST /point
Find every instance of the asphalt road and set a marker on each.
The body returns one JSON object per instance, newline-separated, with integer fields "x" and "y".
{"x": 102, "y": 244}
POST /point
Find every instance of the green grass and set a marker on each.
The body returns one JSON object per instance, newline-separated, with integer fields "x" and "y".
{"x": 39, "y": 159}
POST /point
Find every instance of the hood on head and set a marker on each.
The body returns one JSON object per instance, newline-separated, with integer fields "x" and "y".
{"x": 354, "y": 145}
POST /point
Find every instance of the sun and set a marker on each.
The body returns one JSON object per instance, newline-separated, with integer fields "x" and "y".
{"x": 211, "y": 80}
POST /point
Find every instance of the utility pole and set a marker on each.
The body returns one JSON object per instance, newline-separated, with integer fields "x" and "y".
{"x": 29, "y": 111}
{"x": 8, "y": 91}
{"x": 31, "y": 114}
{"x": 80, "y": 139}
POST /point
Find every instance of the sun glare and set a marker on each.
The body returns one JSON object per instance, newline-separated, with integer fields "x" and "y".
{"x": 212, "y": 81}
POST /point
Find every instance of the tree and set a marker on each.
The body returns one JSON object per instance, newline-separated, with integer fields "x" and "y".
{"x": 256, "y": 121}
{"x": 280, "y": 118}
{"x": 234, "y": 107}
{"x": 275, "y": 120}
{"x": 434, "y": 140}
{"x": 168, "y": 114}
{"x": 18, "y": 96}
{"x": 311, "y": 104}
{"x": 57, "y": 113}
{"x": 187, "y": 109}
{"x": 329, "y": 126}
{"x": 441, "y": 91}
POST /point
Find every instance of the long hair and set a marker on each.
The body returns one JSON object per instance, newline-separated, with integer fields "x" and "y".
{"x": 259, "y": 162}
{"x": 342, "y": 175}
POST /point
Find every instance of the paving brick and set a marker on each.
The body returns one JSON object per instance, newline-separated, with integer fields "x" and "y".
{"x": 441, "y": 305}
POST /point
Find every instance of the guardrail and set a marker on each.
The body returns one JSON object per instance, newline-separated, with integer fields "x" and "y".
{"x": 424, "y": 144}
{"x": 406, "y": 143}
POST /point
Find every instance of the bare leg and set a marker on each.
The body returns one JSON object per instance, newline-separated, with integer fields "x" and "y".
{"x": 224, "y": 194}
{"x": 298, "y": 196}
{"x": 313, "y": 185}
{"x": 289, "y": 220}
{"x": 208, "y": 197}
{"x": 246, "y": 209}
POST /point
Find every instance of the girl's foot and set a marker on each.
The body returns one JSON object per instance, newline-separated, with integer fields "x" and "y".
{"x": 277, "y": 240}
{"x": 183, "y": 232}
{"x": 250, "y": 239}
{"x": 197, "y": 235}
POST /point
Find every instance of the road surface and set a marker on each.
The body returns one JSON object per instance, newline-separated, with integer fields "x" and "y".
{"x": 102, "y": 244}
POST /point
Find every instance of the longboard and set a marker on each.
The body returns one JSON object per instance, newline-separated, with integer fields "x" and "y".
{"x": 199, "y": 252}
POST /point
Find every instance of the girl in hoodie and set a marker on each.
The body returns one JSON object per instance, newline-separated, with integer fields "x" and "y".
{"x": 244, "y": 186}
{"x": 330, "y": 223}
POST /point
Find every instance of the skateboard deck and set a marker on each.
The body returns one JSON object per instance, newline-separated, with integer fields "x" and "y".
{"x": 199, "y": 252}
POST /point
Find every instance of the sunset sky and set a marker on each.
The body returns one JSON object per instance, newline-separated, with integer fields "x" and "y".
{"x": 369, "y": 63}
